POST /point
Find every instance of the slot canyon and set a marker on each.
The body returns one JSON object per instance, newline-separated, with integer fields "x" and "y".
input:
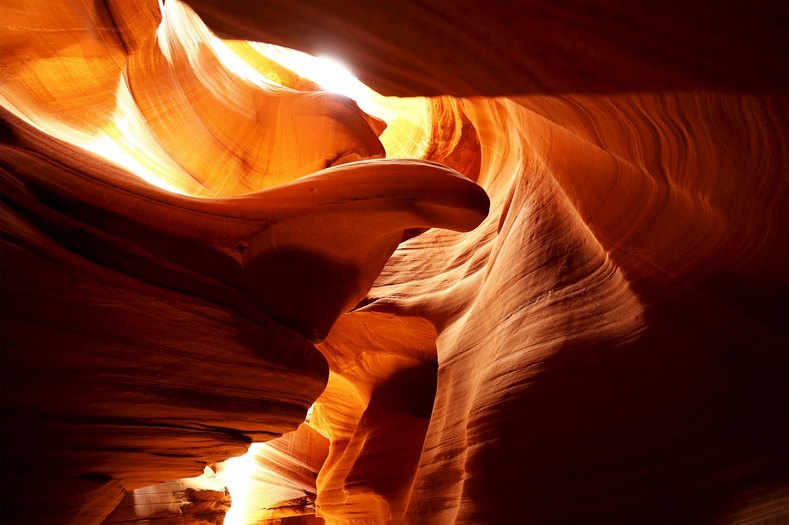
{"x": 402, "y": 262}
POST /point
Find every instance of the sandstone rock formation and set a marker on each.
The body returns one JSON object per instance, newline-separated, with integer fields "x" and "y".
{"x": 199, "y": 245}
{"x": 277, "y": 479}
{"x": 204, "y": 500}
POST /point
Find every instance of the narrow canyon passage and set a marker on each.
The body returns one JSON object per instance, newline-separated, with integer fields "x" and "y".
{"x": 530, "y": 267}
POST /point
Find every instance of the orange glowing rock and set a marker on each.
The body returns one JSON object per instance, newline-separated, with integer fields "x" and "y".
{"x": 277, "y": 479}
{"x": 203, "y": 499}
{"x": 199, "y": 244}
{"x": 210, "y": 269}
{"x": 375, "y": 411}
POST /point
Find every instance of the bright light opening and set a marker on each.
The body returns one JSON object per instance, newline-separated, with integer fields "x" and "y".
{"x": 408, "y": 120}
{"x": 237, "y": 476}
{"x": 335, "y": 77}
{"x": 330, "y": 74}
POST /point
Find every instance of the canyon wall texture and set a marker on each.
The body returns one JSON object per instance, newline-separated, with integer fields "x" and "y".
{"x": 556, "y": 291}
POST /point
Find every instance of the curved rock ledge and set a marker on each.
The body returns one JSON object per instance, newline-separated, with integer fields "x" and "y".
{"x": 566, "y": 304}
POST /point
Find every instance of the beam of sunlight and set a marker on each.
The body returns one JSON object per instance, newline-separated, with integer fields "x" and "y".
{"x": 237, "y": 476}
{"x": 408, "y": 120}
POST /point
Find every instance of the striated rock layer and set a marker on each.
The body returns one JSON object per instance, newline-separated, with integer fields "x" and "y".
{"x": 601, "y": 362}
{"x": 139, "y": 324}
{"x": 601, "y": 339}
{"x": 611, "y": 342}
{"x": 204, "y": 500}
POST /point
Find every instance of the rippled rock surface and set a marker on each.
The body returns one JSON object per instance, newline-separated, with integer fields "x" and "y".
{"x": 566, "y": 304}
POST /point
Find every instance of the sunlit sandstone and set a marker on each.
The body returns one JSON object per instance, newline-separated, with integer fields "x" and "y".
{"x": 564, "y": 301}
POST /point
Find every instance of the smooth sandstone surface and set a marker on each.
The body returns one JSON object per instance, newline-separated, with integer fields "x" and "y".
{"x": 567, "y": 304}
{"x": 471, "y": 48}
